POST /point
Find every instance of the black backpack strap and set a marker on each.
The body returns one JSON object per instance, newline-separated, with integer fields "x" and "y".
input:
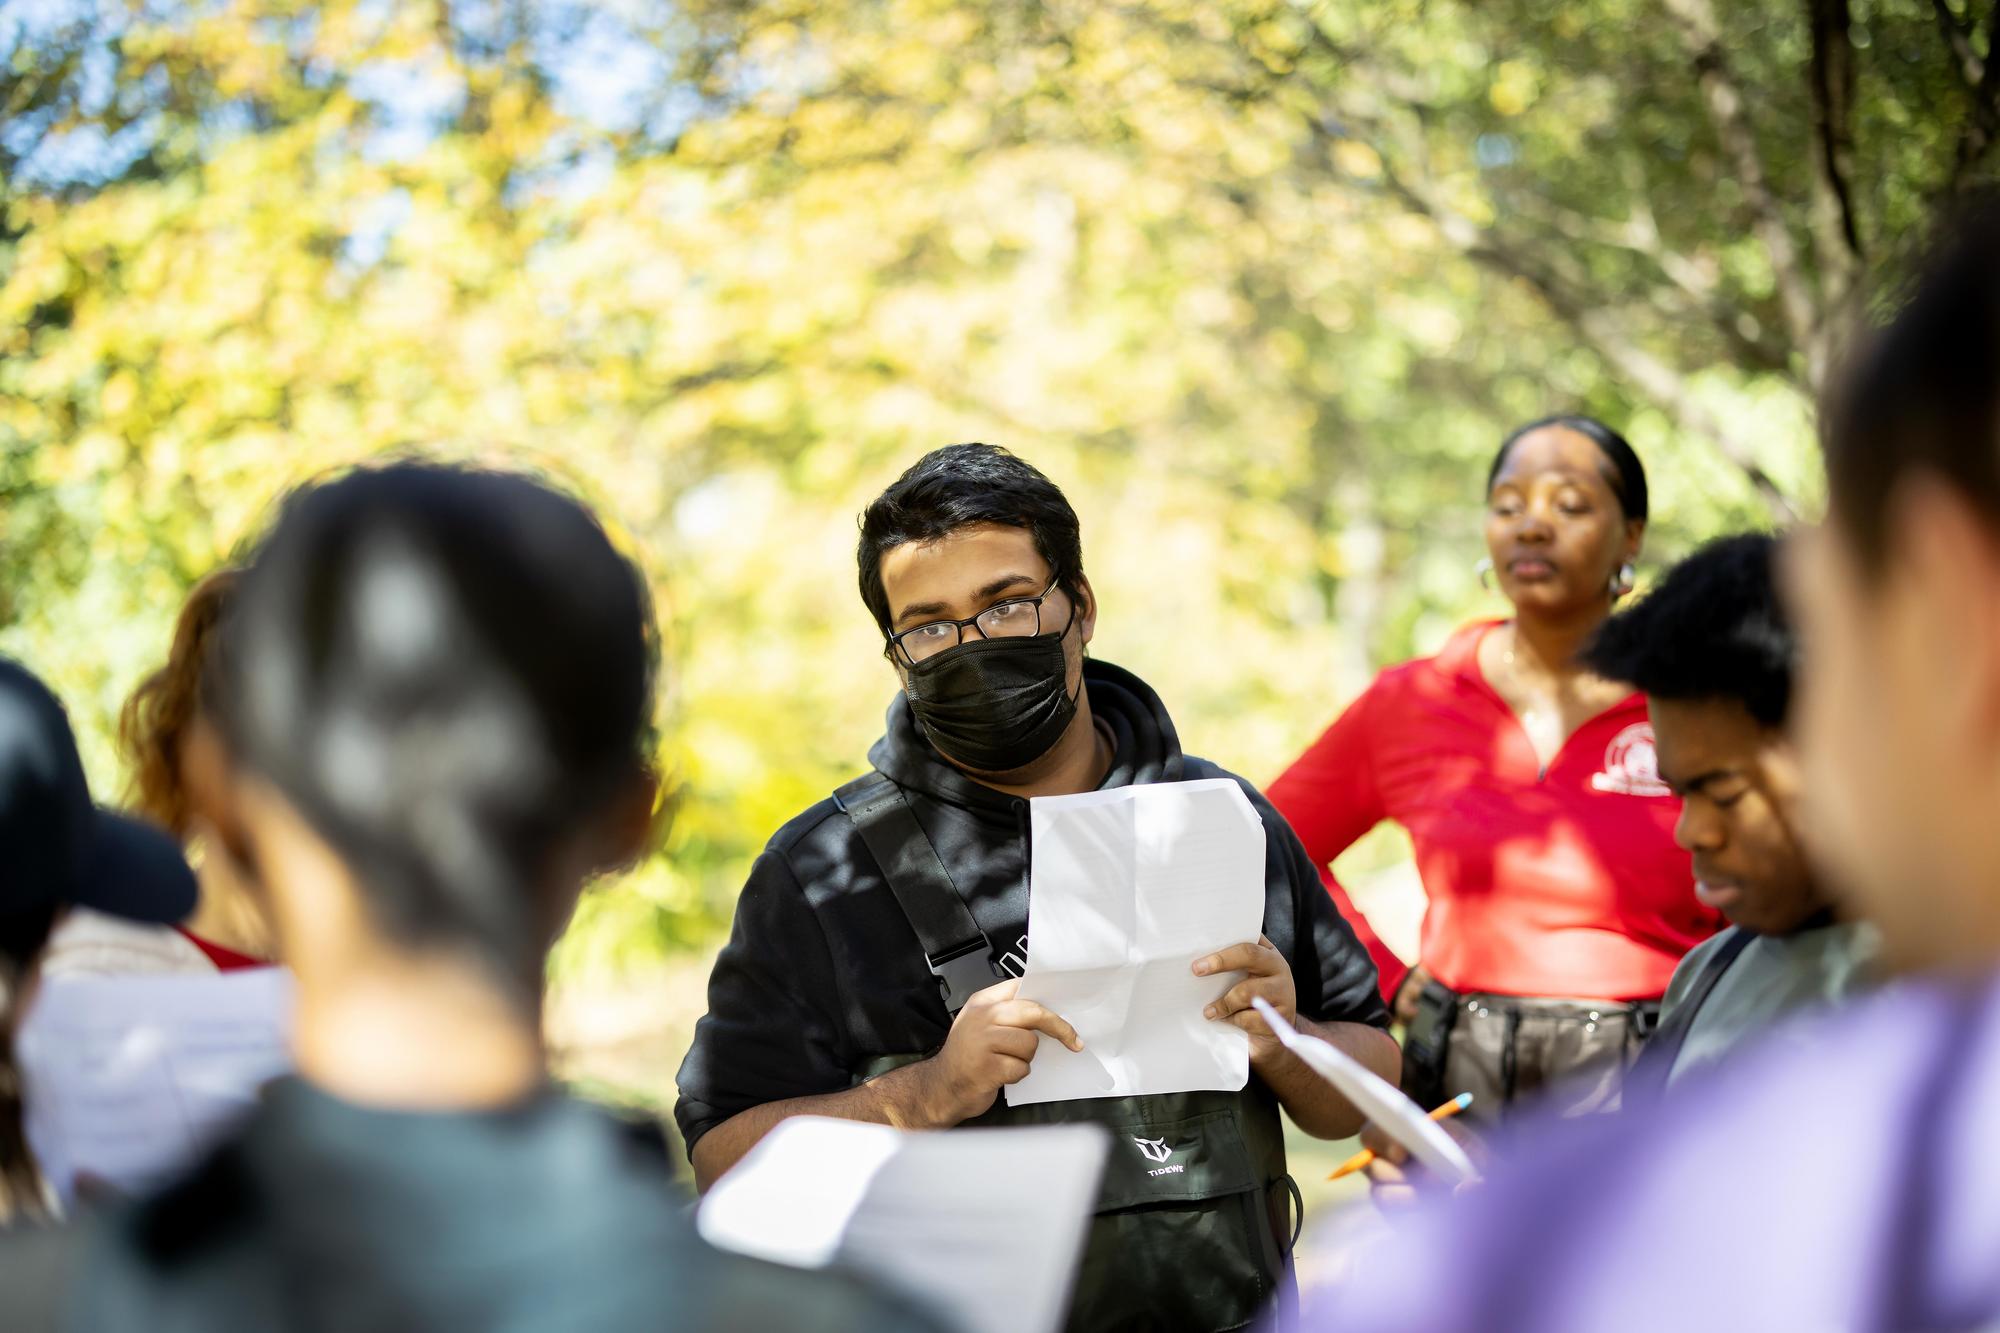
{"x": 1648, "y": 1076}
{"x": 958, "y": 951}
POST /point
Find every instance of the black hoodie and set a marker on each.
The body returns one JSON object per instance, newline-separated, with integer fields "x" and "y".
{"x": 823, "y": 975}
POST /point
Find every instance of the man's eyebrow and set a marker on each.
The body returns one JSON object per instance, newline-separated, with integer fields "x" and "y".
{"x": 1695, "y": 784}
{"x": 921, "y": 609}
{"x": 1000, "y": 585}
{"x": 993, "y": 589}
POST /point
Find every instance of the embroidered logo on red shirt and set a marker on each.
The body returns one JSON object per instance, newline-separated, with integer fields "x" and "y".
{"x": 1631, "y": 766}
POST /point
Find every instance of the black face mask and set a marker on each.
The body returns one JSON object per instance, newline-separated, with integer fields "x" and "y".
{"x": 995, "y": 705}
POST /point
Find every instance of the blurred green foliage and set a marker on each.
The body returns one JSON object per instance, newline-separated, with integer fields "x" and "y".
{"x": 1260, "y": 283}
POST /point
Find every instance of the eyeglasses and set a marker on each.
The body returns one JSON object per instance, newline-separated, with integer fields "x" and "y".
{"x": 1015, "y": 618}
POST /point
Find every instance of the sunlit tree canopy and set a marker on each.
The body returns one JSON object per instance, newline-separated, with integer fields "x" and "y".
{"x": 1260, "y": 283}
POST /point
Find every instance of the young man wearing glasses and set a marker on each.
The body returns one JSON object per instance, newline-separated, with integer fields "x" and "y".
{"x": 871, "y": 971}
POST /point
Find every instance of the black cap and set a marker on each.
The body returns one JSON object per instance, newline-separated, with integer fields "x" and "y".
{"x": 57, "y": 847}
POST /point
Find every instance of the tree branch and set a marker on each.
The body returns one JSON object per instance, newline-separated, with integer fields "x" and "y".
{"x": 1957, "y": 35}
{"x": 1837, "y": 230}
{"x": 1602, "y": 330}
{"x": 1566, "y": 298}
{"x": 1982, "y": 124}
{"x": 1727, "y": 109}
{"x": 1638, "y": 235}
{"x": 1696, "y": 281}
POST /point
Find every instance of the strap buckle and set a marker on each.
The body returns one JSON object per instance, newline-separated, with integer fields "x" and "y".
{"x": 963, "y": 970}
{"x": 1643, "y": 1018}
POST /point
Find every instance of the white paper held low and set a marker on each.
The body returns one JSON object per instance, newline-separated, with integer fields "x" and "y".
{"x": 1378, "y": 1099}
{"x": 985, "y": 1225}
{"x": 127, "y": 1079}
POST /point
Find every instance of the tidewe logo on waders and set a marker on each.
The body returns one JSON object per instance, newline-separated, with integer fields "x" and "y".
{"x": 1156, "y": 1150}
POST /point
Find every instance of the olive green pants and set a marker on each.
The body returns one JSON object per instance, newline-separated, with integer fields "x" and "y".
{"x": 1567, "y": 1056}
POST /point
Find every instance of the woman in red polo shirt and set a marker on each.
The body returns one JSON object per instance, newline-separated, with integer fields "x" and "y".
{"x": 1558, "y": 904}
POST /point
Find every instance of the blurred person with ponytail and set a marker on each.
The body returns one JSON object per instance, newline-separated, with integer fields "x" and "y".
{"x": 1557, "y": 902}
{"x": 435, "y": 695}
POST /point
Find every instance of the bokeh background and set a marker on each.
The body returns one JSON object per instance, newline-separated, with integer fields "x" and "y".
{"x": 1261, "y": 283}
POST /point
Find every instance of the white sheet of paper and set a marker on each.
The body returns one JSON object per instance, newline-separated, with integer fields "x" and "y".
{"x": 1378, "y": 1099}
{"x": 130, "y": 1078}
{"x": 1127, "y": 889}
{"x": 985, "y": 1225}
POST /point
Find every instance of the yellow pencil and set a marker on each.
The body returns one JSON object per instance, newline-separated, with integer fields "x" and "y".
{"x": 1361, "y": 1159}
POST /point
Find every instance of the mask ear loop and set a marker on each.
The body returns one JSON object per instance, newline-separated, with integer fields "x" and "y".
{"x": 1077, "y": 697}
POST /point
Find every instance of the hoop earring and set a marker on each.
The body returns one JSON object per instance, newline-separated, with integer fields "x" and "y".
{"x": 1623, "y": 581}
{"x": 1485, "y": 571}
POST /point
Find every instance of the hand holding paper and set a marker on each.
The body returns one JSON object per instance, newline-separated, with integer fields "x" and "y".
{"x": 1129, "y": 888}
{"x": 989, "y": 1046}
{"x": 1268, "y": 977}
{"x": 1384, "y": 1105}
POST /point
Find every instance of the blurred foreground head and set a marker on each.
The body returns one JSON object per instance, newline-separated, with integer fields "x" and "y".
{"x": 1898, "y": 597}
{"x": 436, "y": 686}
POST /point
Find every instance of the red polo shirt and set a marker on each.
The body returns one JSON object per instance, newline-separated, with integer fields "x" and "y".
{"x": 225, "y": 958}
{"x": 1564, "y": 883}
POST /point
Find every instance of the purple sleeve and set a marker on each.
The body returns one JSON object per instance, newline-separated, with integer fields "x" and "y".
{"x": 1783, "y": 1190}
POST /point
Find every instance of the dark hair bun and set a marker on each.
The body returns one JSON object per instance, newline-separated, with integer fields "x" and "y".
{"x": 447, "y": 671}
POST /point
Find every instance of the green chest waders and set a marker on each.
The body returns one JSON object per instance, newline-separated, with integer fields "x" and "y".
{"x": 1195, "y": 1217}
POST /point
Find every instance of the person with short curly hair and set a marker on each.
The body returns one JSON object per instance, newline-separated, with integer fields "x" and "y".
{"x": 167, "y": 738}
{"x": 1714, "y": 652}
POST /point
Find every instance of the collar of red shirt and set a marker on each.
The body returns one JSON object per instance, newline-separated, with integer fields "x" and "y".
{"x": 1460, "y": 654}
{"x": 1459, "y": 659}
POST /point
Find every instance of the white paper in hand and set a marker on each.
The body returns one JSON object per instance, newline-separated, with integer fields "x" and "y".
{"x": 1375, "y": 1097}
{"x": 1128, "y": 888}
{"x": 128, "y": 1079}
{"x": 986, "y": 1225}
